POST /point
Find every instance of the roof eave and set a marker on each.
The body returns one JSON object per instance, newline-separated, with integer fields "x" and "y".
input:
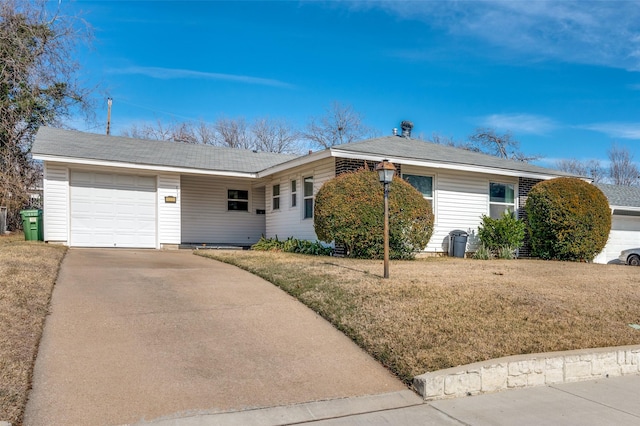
{"x": 336, "y": 152}
{"x": 151, "y": 167}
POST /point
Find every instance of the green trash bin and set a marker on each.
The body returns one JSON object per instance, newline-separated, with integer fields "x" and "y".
{"x": 32, "y": 225}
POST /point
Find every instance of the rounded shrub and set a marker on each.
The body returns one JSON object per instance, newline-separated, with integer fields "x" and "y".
{"x": 349, "y": 210}
{"x": 567, "y": 219}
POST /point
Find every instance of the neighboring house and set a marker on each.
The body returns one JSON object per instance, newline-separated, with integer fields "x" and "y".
{"x": 625, "y": 221}
{"x": 107, "y": 191}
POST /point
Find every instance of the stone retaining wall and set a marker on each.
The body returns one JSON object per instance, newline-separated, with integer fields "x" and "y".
{"x": 521, "y": 371}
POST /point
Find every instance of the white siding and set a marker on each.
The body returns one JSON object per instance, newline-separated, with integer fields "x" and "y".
{"x": 169, "y": 213}
{"x": 289, "y": 221}
{"x": 56, "y": 202}
{"x": 625, "y": 234}
{"x": 460, "y": 199}
{"x": 204, "y": 215}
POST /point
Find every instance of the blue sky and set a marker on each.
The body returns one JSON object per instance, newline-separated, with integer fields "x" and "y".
{"x": 562, "y": 76}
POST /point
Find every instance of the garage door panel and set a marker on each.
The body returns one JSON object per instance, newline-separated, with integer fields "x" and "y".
{"x": 624, "y": 234}
{"x": 113, "y": 210}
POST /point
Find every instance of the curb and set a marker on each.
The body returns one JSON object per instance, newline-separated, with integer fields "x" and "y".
{"x": 522, "y": 371}
{"x": 296, "y": 413}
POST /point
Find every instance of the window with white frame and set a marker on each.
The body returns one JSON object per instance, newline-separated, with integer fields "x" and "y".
{"x": 238, "y": 200}
{"x": 307, "y": 193}
{"x": 275, "y": 197}
{"x": 424, "y": 184}
{"x": 294, "y": 193}
{"x": 501, "y": 199}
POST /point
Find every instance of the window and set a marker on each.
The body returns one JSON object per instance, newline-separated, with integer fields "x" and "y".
{"x": 308, "y": 197}
{"x": 238, "y": 200}
{"x": 276, "y": 197}
{"x": 294, "y": 193}
{"x": 501, "y": 199}
{"x": 424, "y": 184}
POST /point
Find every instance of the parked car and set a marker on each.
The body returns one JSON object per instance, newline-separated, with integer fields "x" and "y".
{"x": 630, "y": 256}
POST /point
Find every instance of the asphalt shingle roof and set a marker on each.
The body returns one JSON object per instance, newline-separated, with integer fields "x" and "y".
{"x": 627, "y": 196}
{"x": 73, "y": 144}
{"x": 401, "y": 147}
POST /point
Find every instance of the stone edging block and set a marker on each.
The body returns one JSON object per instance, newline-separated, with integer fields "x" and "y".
{"x": 520, "y": 371}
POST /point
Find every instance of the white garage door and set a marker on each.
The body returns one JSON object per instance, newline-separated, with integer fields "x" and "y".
{"x": 625, "y": 234}
{"x": 112, "y": 210}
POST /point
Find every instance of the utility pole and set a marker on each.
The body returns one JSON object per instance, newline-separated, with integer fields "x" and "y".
{"x": 109, "y": 102}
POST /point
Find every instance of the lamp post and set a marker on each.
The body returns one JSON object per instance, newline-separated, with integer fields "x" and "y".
{"x": 386, "y": 170}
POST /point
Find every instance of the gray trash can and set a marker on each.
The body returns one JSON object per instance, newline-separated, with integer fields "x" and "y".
{"x": 457, "y": 243}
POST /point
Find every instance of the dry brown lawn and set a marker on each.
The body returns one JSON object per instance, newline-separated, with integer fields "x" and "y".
{"x": 27, "y": 273}
{"x": 441, "y": 312}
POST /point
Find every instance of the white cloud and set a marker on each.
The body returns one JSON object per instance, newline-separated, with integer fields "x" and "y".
{"x": 176, "y": 73}
{"x": 616, "y": 130}
{"x": 587, "y": 32}
{"x": 520, "y": 123}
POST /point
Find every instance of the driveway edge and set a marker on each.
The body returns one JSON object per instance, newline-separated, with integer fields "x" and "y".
{"x": 298, "y": 413}
{"x": 522, "y": 371}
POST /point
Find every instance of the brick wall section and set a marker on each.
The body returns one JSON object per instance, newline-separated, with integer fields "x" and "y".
{"x": 522, "y": 371}
{"x": 524, "y": 186}
{"x": 344, "y": 165}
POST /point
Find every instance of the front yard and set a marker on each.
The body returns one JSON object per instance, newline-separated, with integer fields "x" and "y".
{"x": 27, "y": 273}
{"x": 442, "y": 312}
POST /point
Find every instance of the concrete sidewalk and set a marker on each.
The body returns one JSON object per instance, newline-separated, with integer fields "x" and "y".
{"x": 612, "y": 401}
{"x": 136, "y": 335}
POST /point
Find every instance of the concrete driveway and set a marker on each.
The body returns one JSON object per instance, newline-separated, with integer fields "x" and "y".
{"x": 138, "y": 335}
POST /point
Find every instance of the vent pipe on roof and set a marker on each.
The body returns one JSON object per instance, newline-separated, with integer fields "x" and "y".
{"x": 406, "y": 127}
{"x": 395, "y": 131}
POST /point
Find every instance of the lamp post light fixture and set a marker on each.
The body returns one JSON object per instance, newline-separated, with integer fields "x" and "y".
{"x": 386, "y": 170}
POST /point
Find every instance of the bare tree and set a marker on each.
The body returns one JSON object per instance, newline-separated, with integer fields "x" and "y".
{"x": 340, "y": 124}
{"x": 622, "y": 170}
{"x": 265, "y": 134}
{"x": 275, "y": 136}
{"x": 440, "y": 140}
{"x": 587, "y": 168}
{"x": 158, "y": 131}
{"x": 501, "y": 145}
{"x": 234, "y": 133}
{"x": 38, "y": 86}
{"x": 205, "y": 133}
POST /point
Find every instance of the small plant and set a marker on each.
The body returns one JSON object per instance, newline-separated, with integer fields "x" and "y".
{"x": 292, "y": 245}
{"x": 483, "y": 253}
{"x": 502, "y": 236}
{"x": 268, "y": 244}
{"x": 506, "y": 252}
